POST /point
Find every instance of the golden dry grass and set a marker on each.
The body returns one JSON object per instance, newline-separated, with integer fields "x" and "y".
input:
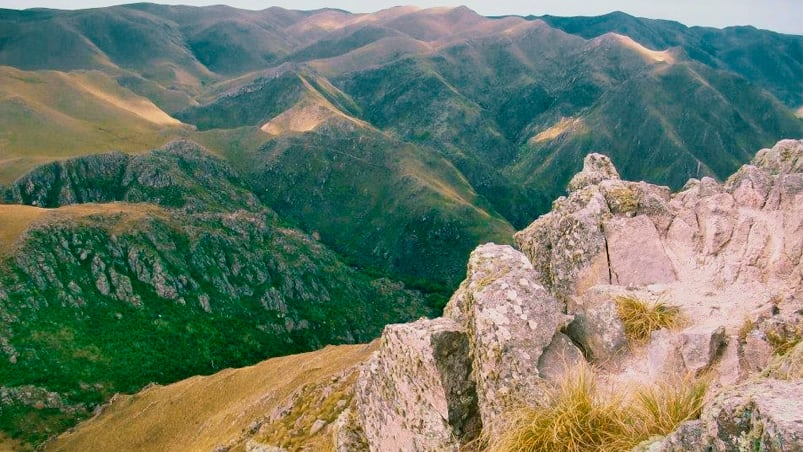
{"x": 642, "y": 318}
{"x": 580, "y": 416}
{"x": 47, "y": 115}
{"x": 10, "y": 445}
{"x": 16, "y": 219}
{"x": 563, "y": 126}
{"x": 788, "y": 366}
{"x": 201, "y": 413}
{"x": 653, "y": 56}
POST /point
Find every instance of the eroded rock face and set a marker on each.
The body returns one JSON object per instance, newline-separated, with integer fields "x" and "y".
{"x": 416, "y": 394}
{"x": 727, "y": 256}
{"x": 510, "y": 319}
{"x": 635, "y": 253}
{"x": 608, "y": 231}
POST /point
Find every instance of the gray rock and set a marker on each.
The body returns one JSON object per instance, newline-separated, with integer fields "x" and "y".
{"x": 785, "y": 157}
{"x": 663, "y": 354}
{"x": 559, "y": 357}
{"x": 317, "y": 426}
{"x": 510, "y": 319}
{"x": 596, "y": 168}
{"x": 690, "y": 351}
{"x": 416, "y": 394}
{"x": 756, "y": 352}
{"x": 596, "y": 326}
{"x": 700, "y": 346}
{"x": 764, "y": 415}
{"x": 749, "y": 186}
{"x": 254, "y": 446}
{"x": 567, "y": 246}
{"x": 690, "y": 436}
{"x": 348, "y": 435}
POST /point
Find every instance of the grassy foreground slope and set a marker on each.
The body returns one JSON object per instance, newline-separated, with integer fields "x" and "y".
{"x": 225, "y": 408}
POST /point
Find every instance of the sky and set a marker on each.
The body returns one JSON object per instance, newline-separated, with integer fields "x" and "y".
{"x": 785, "y": 16}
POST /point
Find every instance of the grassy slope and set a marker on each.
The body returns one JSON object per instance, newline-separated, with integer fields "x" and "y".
{"x": 16, "y": 219}
{"x": 202, "y": 412}
{"x": 47, "y": 115}
{"x": 108, "y": 297}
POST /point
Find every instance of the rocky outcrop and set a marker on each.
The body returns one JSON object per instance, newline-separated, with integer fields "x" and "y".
{"x": 764, "y": 415}
{"x": 510, "y": 319}
{"x": 727, "y": 257}
{"x": 433, "y": 383}
{"x": 416, "y": 394}
{"x": 628, "y": 233}
{"x": 180, "y": 175}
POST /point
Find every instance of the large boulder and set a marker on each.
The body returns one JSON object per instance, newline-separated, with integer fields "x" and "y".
{"x": 510, "y": 319}
{"x": 567, "y": 245}
{"x": 588, "y": 237}
{"x": 690, "y": 351}
{"x": 416, "y": 392}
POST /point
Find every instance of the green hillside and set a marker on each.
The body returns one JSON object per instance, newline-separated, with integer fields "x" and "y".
{"x": 168, "y": 277}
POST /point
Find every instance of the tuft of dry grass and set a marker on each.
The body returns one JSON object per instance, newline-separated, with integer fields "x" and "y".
{"x": 788, "y": 366}
{"x": 575, "y": 417}
{"x": 748, "y": 325}
{"x": 641, "y": 318}
{"x": 661, "y": 407}
{"x": 580, "y": 416}
{"x": 784, "y": 341}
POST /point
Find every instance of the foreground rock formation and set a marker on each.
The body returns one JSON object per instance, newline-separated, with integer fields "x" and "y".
{"x": 728, "y": 256}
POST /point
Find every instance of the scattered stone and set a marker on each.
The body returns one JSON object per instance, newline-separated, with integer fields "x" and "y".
{"x": 254, "y": 446}
{"x": 317, "y": 426}
{"x": 691, "y": 351}
{"x": 700, "y": 346}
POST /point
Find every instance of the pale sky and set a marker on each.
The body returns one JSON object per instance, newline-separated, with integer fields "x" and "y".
{"x": 780, "y": 15}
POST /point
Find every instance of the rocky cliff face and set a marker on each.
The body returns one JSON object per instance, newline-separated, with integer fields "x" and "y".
{"x": 728, "y": 256}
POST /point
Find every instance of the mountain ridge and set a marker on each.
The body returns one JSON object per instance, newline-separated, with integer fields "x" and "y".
{"x": 350, "y": 162}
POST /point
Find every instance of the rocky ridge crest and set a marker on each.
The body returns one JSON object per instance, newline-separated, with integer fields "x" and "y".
{"x": 727, "y": 254}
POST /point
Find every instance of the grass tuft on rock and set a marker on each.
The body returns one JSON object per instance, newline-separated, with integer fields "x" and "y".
{"x": 642, "y": 318}
{"x": 579, "y": 415}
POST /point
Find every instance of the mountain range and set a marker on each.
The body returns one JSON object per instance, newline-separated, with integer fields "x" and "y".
{"x": 305, "y": 177}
